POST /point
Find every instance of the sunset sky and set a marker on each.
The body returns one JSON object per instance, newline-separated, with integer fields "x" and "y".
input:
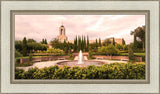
{"x": 95, "y": 26}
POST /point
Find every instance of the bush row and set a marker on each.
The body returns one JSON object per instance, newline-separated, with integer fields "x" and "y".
{"x": 106, "y": 71}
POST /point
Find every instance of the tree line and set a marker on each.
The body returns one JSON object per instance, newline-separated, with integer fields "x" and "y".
{"x": 65, "y": 46}
{"x": 28, "y": 46}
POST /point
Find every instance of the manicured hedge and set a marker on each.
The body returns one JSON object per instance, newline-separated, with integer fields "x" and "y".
{"x": 106, "y": 71}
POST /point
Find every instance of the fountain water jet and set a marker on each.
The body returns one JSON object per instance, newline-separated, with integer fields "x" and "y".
{"x": 80, "y": 58}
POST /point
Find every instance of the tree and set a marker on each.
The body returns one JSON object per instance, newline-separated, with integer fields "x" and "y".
{"x": 70, "y": 53}
{"x": 130, "y": 53}
{"x": 123, "y": 42}
{"x": 42, "y": 41}
{"x": 100, "y": 42}
{"x": 110, "y": 50}
{"x": 75, "y": 44}
{"x": 18, "y": 54}
{"x": 135, "y": 43}
{"x": 119, "y": 47}
{"x": 93, "y": 47}
{"x": 106, "y": 42}
{"x": 18, "y": 45}
{"x": 79, "y": 43}
{"x": 113, "y": 42}
{"x": 30, "y": 40}
{"x": 45, "y": 41}
{"x": 102, "y": 50}
{"x": 96, "y": 44}
{"x": 90, "y": 55}
{"x": 55, "y": 51}
{"x": 84, "y": 44}
{"x": 87, "y": 43}
{"x": 24, "y": 47}
{"x": 33, "y": 46}
{"x": 30, "y": 58}
{"x": 140, "y": 33}
{"x": 96, "y": 41}
{"x": 125, "y": 47}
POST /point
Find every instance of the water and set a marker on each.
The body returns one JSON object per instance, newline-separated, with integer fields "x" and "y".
{"x": 81, "y": 61}
{"x": 86, "y": 63}
{"x": 80, "y": 58}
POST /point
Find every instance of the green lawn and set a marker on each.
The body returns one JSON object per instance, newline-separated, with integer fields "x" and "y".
{"x": 26, "y": 64}
{"x": 136, "y": 54}
{"x": 139, "y": 54}
{"x": 28, "y": 57}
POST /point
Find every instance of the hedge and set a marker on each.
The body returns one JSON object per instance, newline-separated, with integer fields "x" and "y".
{"x": 106, "y": 71}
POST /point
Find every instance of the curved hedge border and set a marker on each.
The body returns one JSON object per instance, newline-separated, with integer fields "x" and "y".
{"x": 106, "y": 71}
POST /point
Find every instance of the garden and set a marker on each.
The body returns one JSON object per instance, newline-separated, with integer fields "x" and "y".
{"x": 134, "y": 68}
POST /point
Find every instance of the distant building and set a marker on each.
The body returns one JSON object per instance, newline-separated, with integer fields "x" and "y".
{"x": 117, "y": 40}
{"x": 61, "y": 37}
{"x": 49, "y": 45}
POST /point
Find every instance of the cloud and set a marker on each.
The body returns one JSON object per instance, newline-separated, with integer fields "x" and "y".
{"x": 95, "y": 26}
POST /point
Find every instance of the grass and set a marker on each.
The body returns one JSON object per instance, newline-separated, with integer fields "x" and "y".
{"x": 24, "y": 64}
{"x": 28, "y": 57}
{"x": 136, "y": 54}
{"x": 139, "y": 54}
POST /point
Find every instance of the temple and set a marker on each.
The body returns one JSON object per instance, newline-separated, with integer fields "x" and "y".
{"x": 62, "y": 37}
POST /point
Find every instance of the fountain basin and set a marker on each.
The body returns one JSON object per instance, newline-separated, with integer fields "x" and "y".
{"x": 74, "y": 63}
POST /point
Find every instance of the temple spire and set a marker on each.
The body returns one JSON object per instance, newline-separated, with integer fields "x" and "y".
{"x": 62, "y": 23}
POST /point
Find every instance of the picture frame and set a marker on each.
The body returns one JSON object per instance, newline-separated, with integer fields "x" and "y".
{"x": 10, "y": 8}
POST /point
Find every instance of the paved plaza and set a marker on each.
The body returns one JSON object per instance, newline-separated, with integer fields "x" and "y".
{"x": 53, "y": 63}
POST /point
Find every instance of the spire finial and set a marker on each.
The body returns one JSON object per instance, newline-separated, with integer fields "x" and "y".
{"x": 62, "y": 23}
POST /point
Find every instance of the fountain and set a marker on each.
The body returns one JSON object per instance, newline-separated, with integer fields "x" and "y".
{"x": 80, "y": 58}
{"x": 81, "y": 61}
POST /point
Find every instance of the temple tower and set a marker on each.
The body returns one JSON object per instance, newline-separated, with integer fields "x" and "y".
{"x": 62, "y": 35}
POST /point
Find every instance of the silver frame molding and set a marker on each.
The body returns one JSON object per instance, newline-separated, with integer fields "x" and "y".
{"x": 63, "y": 84}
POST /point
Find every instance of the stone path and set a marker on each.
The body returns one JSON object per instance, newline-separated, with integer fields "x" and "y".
{"x": 111, "y": 61}
{"x": 42, "y": 64}
{"x": 52, "y": 63}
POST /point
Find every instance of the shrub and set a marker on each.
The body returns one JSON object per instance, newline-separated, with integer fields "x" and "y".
{"x": 19, "y": 73}
{"x": 18, "y": 54}
{"x": 130, "y": 53}
{"x": 17, "y": 64}
{"x": 110, "y": 50}
{"x": 106, "y": 71}
{"x": 17, "y": 60}
{"x": 30, "y": 58}
{"x": 90, "y": 55}
{"x": 119, "y": 47}
{"x": 55, "y": 51}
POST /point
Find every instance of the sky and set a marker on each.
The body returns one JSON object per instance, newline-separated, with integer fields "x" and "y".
{"x": 38, "y": 27}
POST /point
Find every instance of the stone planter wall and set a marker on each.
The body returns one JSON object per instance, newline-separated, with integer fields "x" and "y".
{"x": 39, "y": 59}
{"x": 117, "y": 57}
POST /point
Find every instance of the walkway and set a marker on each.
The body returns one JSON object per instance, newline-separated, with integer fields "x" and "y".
{"x": 42, "y": 64}
{"x": 111, "y": 61}
{"x": 53, "y": 63}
